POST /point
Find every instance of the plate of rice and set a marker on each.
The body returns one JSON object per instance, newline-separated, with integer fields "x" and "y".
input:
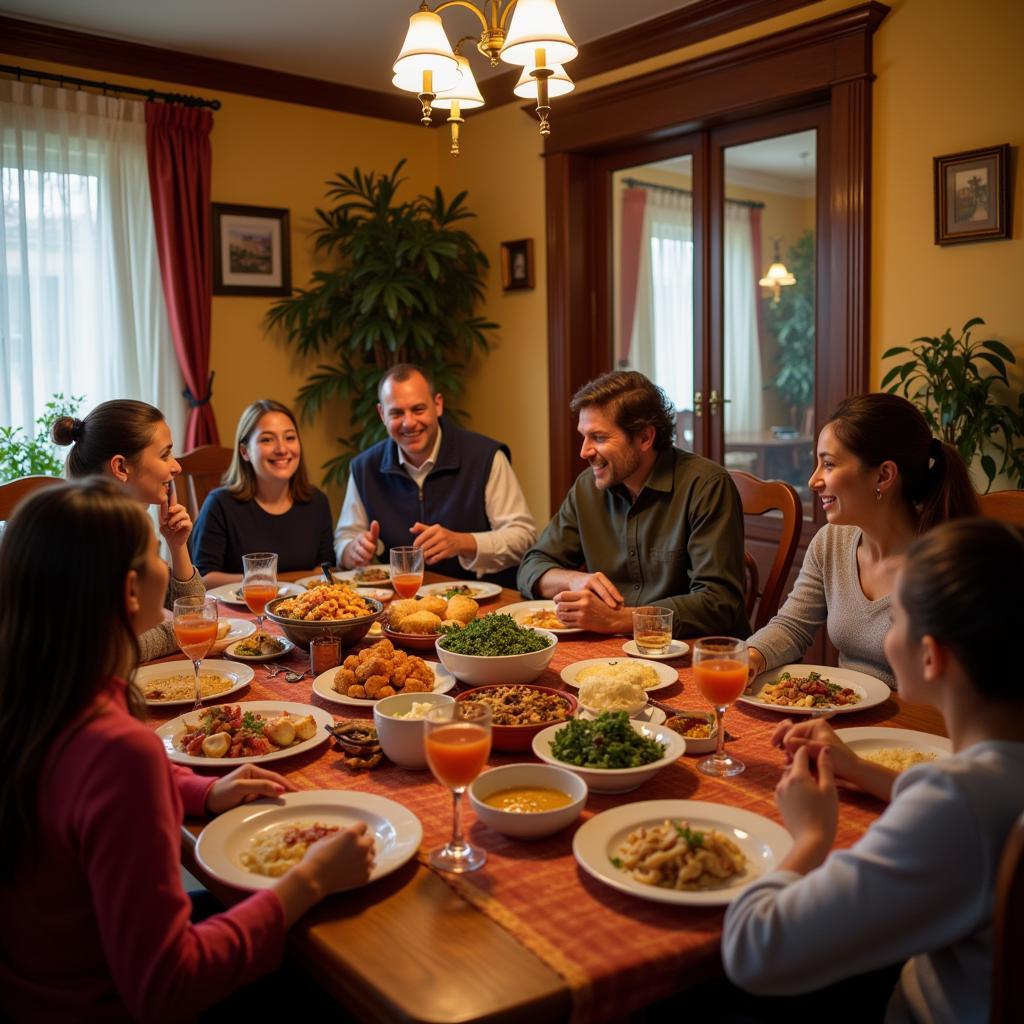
{"x": 896, "y": 749}
{"x": 169, "y": 684}
{"x": 611, "y": 672}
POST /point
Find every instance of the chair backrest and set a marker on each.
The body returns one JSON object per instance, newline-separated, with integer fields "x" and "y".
{"x": 1005, "y": 505}
{"x": 14, "y": 490}
{"x": 1008, "y": 931}
{"x": 758, "y": 497}
{"x": 201, "y": 470}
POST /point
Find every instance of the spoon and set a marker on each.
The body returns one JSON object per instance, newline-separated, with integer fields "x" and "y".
{"x": 294, "y": 677}
{"x": 326, "y": 568}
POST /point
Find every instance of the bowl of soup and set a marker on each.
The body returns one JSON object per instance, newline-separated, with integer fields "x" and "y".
{"x": 528, "y": 801}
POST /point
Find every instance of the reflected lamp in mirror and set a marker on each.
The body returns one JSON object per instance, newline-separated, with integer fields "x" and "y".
{"x": 777, "y": 276}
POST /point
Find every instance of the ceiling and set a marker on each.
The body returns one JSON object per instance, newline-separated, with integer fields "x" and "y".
{"x": 353, "y": 42}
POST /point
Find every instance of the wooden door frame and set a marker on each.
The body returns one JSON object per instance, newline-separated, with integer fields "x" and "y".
{"x": 828, "y": 62}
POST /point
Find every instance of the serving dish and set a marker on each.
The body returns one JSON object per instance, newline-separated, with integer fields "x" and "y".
{"x": 323, "y": 687}
{"x": 401, "y": 739}
{"x": 513, "y": 738}
{"x": 348, "y": 631}
{"x": 872, "y": 691}
{"x": 667, "y": 676}
{"x": 480, "y": 670}
{"x": 536, "y": 824}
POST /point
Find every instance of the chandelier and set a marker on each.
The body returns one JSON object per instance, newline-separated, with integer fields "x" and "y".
{"x": 535, "y": 39}
{"x": 777, "y": 276}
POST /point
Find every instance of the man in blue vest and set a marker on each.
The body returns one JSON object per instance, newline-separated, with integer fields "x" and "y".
{"x": 433, "y": 485}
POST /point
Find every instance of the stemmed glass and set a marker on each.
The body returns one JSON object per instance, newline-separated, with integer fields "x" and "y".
{"x": 259, "y": 583}
{"x": 720, "y": 672}
{"x": 457, "y": 739}
{"x": 406, "y": 570}
{"x": 195, "y": 629}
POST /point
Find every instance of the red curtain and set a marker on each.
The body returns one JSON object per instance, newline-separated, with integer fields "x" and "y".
{"x": 179, "y": 156}
{"x": 634, "y": 201}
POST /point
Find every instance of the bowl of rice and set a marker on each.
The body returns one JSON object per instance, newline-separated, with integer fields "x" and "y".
{"x": 612, "y": 693}
{"x": 399, "y": 721}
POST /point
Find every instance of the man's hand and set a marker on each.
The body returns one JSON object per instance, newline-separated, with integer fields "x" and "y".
{"x": 599, "y": 584}
{"x": 363, "y": 549}
{"x": 585, "y": 609}
{"x": 438, "y": 543}
{"x": 249, "y": 782}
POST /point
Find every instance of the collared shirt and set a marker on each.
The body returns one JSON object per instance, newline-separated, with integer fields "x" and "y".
{"x": 678, "y": 545}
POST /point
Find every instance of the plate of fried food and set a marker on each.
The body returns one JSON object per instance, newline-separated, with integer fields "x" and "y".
{"x": 170, "y": 684}
{"x": 687, "y": 852}
{"x": 380, "y": 671}
{"x": 815, "y": 690}
{"x": 415, "y": 622}
{"x": 226, "y": 735}
{"x": 538, "y": 614}
{"x": 477, "y": 591}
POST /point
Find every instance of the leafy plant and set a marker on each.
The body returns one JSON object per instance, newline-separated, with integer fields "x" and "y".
{"x": 36, "y": 456}
{"x": 403, "y": 288}
{"x": 791, "y": 320}
{"x": 951, "y": 380}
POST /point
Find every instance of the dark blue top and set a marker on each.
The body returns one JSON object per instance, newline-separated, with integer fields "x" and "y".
{"x": 227, "y": 528}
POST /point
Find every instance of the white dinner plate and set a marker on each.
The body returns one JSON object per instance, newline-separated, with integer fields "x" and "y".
{"x": 238, "y": 629}
{"x": 650, "y": 714}
{"x": 479, "y": 591}
{"x": 240, "y": 676}
{"x": 397, "y": 832}
{"x": 322, "y": 685}
{"x": 521, "y": 609}
{"x": 666, "y": 675}
{"x": 318, "y": 577}
{"x": 872, "y": 691}
{"x": 288, "y": 647}
{"x": 763, "y": 843}
{"x": 676, "y": 649}
{"x": 353, "y": 574}
{"x": 870, "y": 738}
{"x": 170, "y": 731}
{"x": 231, "y": 593}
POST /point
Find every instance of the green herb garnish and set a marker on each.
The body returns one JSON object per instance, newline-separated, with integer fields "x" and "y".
{"x": 608, "y": 741}
{"x": 252, "y": 722}
{"x": 493, "y": 636}
{"x": 616, "y": 862}
{"x": 691, "y": 838}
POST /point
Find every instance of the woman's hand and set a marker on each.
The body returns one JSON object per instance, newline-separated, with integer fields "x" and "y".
{"x": 757, "y": 664}
{"x": 175, "y": 522}
{"x": 244, "y": 784}
{"x": 342, "y": 860}
{"x": 809, "y": 808}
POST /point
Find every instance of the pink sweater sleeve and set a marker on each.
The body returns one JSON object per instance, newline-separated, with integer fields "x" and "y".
{"x": 193, "y": 789}
{"x": 128, "y": 820}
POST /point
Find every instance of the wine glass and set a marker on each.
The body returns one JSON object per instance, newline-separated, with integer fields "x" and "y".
{"x": 457, "y": 740}
{"x": 720, "y": 672}
{"x": 406, "y": 570}
{"x": 195, "y": 629}
{"x": 259, "y": 583}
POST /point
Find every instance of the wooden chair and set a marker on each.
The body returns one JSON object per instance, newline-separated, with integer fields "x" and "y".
{"x": 1007, "y": 506}
{"x": 758, "y": 497}
{"x": 201, "y": 471}
{"x": 14, "y": 490}
{"x": 1008, "y": 931}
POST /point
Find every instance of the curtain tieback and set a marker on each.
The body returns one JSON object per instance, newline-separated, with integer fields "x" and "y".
{"x": 195, "y": 403}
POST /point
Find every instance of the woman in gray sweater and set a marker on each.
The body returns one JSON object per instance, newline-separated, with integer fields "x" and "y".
{"x": 131, "y": 442}
{"x": 882, "y": 479}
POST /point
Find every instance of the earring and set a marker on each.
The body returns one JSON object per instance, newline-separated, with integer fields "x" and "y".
{"x": 878, "y": 494}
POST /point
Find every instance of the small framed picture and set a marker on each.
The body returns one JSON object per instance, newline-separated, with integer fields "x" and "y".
{"x": 972, "y": 196}
{"x": 517, "y": 264}
{"x": 251, "y": 253}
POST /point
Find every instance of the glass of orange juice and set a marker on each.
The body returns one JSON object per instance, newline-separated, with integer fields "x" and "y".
{"x": 720, "y": 672}
{"x": 457, "y": 740}
{"x": 259, "y": 583}
{"x": 406, "y": 570}
{"x": 195, "y": 629}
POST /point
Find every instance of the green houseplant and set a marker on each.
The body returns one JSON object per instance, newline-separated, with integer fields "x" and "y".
{"x": 951, "y": 380}
{"x": 403, "y": 286}
{"x": 35, "y": 456}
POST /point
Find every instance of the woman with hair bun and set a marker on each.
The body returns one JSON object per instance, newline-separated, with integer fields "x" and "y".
{"x": 131, "y": 443}
{"x": 882, "y": 480}
{"x": 919, "y": 885}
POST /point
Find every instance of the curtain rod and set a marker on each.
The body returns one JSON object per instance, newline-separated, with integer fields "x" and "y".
{"x": 637, "y": 183}
{"x": 150, "y": 94}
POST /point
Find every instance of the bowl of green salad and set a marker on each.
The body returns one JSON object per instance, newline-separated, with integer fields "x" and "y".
{"x": 495, "y": 649}
{"x": 612, "y": 753}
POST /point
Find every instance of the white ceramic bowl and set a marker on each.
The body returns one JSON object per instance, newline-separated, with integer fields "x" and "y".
{"x": 401, "y": 739}
{"x": 479, "y": 670}
{"x": 616, "y": 780}
{"x": 700, "y": 746}
{"x": 528, "y": 826}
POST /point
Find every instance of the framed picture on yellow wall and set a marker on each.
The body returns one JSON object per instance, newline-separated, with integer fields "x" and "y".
{"x": 972, "y": 196}
{"x": 251, "y": 253}
{"x": 517, "y": 264}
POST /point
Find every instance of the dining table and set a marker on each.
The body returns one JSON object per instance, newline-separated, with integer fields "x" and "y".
{"x": 530, "y": 935}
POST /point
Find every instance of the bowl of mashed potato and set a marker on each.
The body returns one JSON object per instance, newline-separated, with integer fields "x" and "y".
{"x": 399, "y": 721}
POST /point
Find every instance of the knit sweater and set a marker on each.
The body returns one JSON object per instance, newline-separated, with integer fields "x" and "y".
{"x": 159, "y": 641}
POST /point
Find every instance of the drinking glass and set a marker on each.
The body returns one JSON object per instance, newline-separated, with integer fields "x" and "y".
{"x": 259, "y": 583}
{"x": 406, "y": 570}
{"x": 652, "y": 629}
{"x": 457, "y": 740}
{"x": 720, "y": 672}
{"x": 195, "y": 629}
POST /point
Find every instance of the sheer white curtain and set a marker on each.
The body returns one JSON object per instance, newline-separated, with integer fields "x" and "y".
{"x": 81, "y": 302}
{"x": 742, "y": 356}
{"x": 662, "y": 344}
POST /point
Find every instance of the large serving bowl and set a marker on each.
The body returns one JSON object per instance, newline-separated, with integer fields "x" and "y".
{"x": 616, "y": 780}
{"x": 520, "y": 737}
{"x": 536, "y": 824}
{"x": 480, "y": 670}
{"x": 348, "y": 631}
{"x": 401, "y": 739}
{"x": 410, "y": 641}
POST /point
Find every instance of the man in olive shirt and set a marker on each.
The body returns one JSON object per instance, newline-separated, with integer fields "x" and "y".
{"x": 650, "y": 523}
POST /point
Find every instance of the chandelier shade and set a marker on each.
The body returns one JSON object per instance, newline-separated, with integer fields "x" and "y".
{"x": 426, "y": 49}
{"x": 559, "y": 83}
{"x": 466, "y": 93}
{"x": 537, "y": 25}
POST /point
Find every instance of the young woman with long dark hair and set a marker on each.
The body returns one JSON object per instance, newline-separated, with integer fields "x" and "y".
{"x": 96, "y": 925}
{"x": 882, "y": 480}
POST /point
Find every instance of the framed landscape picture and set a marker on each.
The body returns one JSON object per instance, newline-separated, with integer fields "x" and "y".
{"x": 972, "y": 196}
{"x": 251, "y": 254}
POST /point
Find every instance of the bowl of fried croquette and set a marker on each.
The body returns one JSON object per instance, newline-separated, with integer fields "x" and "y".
{"x": 348, "y": 630}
